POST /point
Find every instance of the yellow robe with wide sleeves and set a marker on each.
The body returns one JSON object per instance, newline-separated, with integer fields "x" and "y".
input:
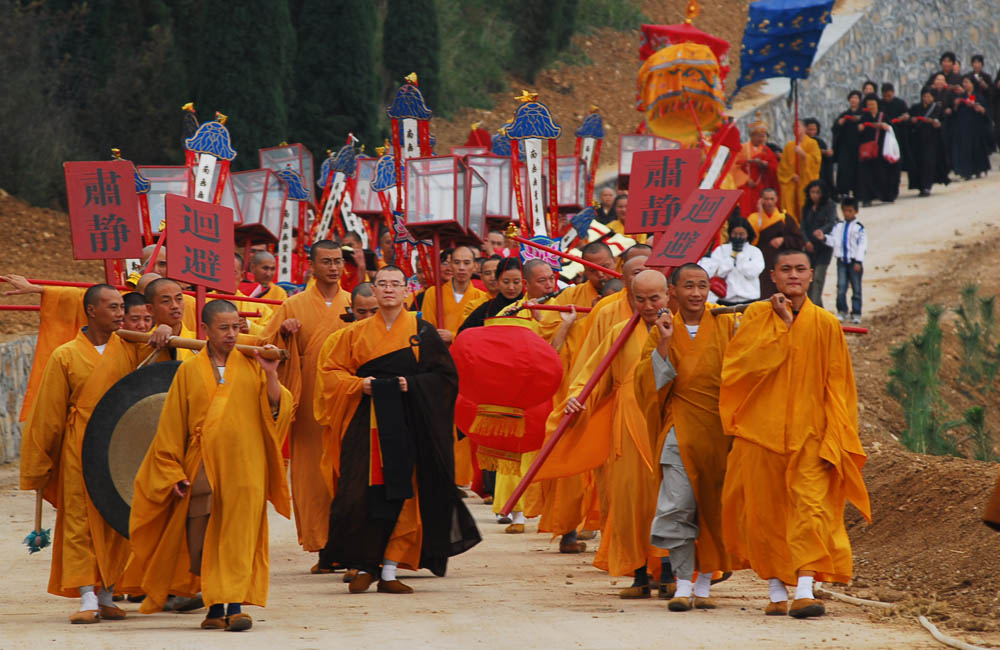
{"x": 793, "y": 194}
{"x": 310, "y": 497}
{"x": 455, "y": 313}
{"x": 230, "y": 428}
{"x": 789, "y": 399}
{"x": 690, "y": 404}
{"x": 50, "y": 462}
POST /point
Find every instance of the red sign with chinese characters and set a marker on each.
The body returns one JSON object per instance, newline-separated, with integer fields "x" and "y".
{"x": 200, "y": 243}
{"x": 659, "y": 184}
{"x": 691, "y": 233}
{"x": 103, "y": 210}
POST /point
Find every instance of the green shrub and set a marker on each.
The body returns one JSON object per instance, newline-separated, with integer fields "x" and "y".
{"x": 975, "y": 328}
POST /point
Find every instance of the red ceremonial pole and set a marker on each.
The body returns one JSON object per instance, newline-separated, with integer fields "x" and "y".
{"x": 548, "y": 249}
{"x": 199, "y": 305}
{"x": 568, "y": 418}
{"x": 565, "y": 308}
{"x": 438, "y": 298}
{"x": 20, "y": 308}
{"x": 85, "y": 285}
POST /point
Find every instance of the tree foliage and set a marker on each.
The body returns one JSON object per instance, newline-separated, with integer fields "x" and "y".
{"x": 410, "y": 43}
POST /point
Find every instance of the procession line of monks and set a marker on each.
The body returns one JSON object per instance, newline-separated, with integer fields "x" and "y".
{"x": 690, "y": 445}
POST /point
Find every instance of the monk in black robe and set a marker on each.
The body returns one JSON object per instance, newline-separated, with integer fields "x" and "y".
{"x": 926, "y": 164}
{"x": 970, "y": 133}
{"x": 894, "y": 111}
{"x": 386, "y": 393}
{"x": 845, "y": 145}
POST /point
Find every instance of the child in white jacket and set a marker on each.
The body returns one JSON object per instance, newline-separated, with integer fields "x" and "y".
{"x": 849, "y": 242}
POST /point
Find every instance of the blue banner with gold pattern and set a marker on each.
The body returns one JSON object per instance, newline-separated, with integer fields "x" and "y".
{"x": 781, "y": 38}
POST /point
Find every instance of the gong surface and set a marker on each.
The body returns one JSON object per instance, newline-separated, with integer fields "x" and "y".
{"x": 118, "y": 435}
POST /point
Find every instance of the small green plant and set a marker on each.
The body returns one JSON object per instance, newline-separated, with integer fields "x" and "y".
{"x": 981, "y": 438}
{"x": 913, "y": 382}
{"x": 975, "y": 329}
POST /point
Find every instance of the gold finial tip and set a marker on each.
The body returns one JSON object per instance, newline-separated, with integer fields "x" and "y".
{"x": 362, "y": 148}
{"x": 116, "y": 153}
{"x": 594, "y": 108}
{"x": 188, "y": 107}
{"x": 412, "y": 78}
{"x": 692, "y": 11}
{"x": 379, "y": 151}
{"x": 526, "y": 96}
{"x": 283, "y": 144}
{"x": 220, "y": 117}
{"x": 511, "y": 230}
{"x": 475, "y": 125}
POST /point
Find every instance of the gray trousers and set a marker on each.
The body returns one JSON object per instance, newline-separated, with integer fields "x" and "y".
{"x": 675, "y": 526}
{"x": 815, "y": 291}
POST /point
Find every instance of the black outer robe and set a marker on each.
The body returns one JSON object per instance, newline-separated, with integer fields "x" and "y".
{"x": 845, "y": 152}
{"x": 892, "y": 110}
{"x": 415, "y": 431}
{"x": 792, "y": 234}
{"x": 970, "y": 139}
{"x": 927, "y": 164}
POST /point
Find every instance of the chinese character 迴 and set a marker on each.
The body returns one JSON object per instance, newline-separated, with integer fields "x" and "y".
{"x": 703, "y": 209}
{"x": 660, "y": 211}
{"x": 108, "y": 233}
{"x": 101, "y": 190}
{"x": 678, "y": 247}
{"x": 202, "y": 263}
{"x": 668, "y": 174}
{"x": 201, "y": 225}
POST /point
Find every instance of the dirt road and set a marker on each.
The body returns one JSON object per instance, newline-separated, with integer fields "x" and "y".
{"x": 511, "y": 591}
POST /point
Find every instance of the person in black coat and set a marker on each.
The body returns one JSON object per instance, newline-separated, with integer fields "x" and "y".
{"x": 826, "y": 164}
{"x": 845, "y": 145}
{"x": 819, "y": 216}
{"x": 893, "y": 113}
{"x": 926, "y": 163}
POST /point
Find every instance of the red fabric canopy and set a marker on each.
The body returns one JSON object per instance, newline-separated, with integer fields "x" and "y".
{"x": 655, "y": 37}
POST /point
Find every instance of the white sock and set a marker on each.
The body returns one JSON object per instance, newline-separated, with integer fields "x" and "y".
{"x": 104, "y": 597}
{"x": 703, "y": 585}
{"x": 519, "y": 517}
{"x": 804, "y": 589}
{"x": 88, "y": 599}
{"x": 389, "y": 570}
{"x": 779, "y": 593}
{"x": 683, "y": 589}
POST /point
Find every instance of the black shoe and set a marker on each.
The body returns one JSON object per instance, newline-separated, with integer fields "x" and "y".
{"x": 924, "y": 193}
{"x": 135, "y": 599}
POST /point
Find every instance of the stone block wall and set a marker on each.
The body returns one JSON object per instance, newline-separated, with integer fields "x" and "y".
{"x": 15, "y": 366}
{"x": 899, "y": 41}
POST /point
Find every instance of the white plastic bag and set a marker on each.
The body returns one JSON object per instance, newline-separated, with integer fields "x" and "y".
{"x": 890, "y": 147}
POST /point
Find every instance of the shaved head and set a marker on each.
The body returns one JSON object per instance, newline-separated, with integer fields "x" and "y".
{"x": 649, "y": 294}
{"x": 637, "y": 250}
{"x": 144, "y": 281}
{"x": 161, "y": 259}
{"x": 649, "y": 279}
{"x": 261, "y": 256}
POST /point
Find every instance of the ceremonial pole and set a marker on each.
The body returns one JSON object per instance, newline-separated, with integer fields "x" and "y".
{"x": 568, "y": 418}
{"x": 512, "y": 234}
{"x": 438, "y": 298}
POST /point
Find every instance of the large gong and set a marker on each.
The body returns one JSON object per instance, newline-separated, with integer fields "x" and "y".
{"x": 118, "y": 435}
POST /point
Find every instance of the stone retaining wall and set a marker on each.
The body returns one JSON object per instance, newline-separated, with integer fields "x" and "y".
{"x": 899, "y": 41}
{"x": 15, "y": 366}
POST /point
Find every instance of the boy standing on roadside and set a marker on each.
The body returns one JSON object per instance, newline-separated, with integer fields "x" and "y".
{"x": 849, "y": 242}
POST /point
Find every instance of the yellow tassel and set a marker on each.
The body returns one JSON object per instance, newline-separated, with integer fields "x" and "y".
{"x": 486, "y": 462}
{"x": 501, "y": 462}
{"x": 498, "y": 421}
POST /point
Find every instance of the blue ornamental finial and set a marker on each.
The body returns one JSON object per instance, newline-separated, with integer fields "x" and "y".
{"x": 408, "y": 104}
{"x": 592, "y": 127}
{"x": 582, "y": 219}
{"x": 142, "y": 184}
{"x": 345, "y": 161}
{"x": 293, "y": 180}
{"x": 533, "y": 120}
{"x": 211, "y": 138}
{"x": 324, "y": 170}
{"x": 384, "y": 178}
{"x": 500, "y": 144}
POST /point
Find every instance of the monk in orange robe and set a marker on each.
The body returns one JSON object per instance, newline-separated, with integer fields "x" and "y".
{"x": 50, "y": 459}
{"x": 677, "y": 382}
{"x": 386, "y": 389}
{"x": 457, "y": 295}
{"x": 791, "y": 468}
{"x": 773, "y": 230}
{"x": 566, "y": 501}
{"x": 800, "y": 164}
{"x": 199, "y": 516}
{"x": 263, "y": 268}
{"x": 755, "y": 168}
{"x": 631, "y": 480}
{"x": 301, "y": 325}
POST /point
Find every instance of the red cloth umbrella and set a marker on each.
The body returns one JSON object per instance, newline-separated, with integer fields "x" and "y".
{"x": 656, "y": 37}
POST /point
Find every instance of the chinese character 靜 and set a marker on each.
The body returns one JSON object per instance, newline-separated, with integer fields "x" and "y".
{"x": 108, "y": 233}
{"x": 660, "y": 211}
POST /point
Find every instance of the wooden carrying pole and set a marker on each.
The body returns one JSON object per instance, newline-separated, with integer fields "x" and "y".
{"x": 568, "y": 418}
{"x": 214, "y": 296}
{"x": 512, "y": 234}
{"x": 195, "y": 344}
{"x": 739, "y": 309}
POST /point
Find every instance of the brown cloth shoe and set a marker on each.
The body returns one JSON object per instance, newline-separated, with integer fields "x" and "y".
{"x": 350, "y": 575}
{"x": 666, "y": 590}
{"x": 635, "y": 592}
{"x": 572, "y": 547}
{"x": 514, "y": 529}
{"x": 704, "y": 603}
{"x": 679, "y": 604}
{"x": 393, "y": 587}
{"x": 239, "y": 622}
{"x": 725, "y": 576}
{"x": 776, "y": 609}
{"x": 361, "y": 583}
{"x": 214, "y": 623}
{"x": 85, "y": 617}
{"x": 487, "y": 500}
{"x": 315, "y": 570}
{"x": 586, "y": 534}
{"x": 111, "y": 613}
{"x": 806, "y": 608}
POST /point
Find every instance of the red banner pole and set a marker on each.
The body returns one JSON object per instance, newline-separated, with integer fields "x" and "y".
{"x": 109, "y": 272}
{"x": 511, "y": 234}
{"x": 199, "y": 305}
{"x": 438, "y": 298}
{"x": 20, "y": 308}
{"x": 565, "y": 308}
{"x": 568, "y": 418}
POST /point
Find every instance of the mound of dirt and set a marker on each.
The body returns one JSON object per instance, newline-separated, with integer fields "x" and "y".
{"x": 37, "y": 245}
{"x": 926, "y": 548}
